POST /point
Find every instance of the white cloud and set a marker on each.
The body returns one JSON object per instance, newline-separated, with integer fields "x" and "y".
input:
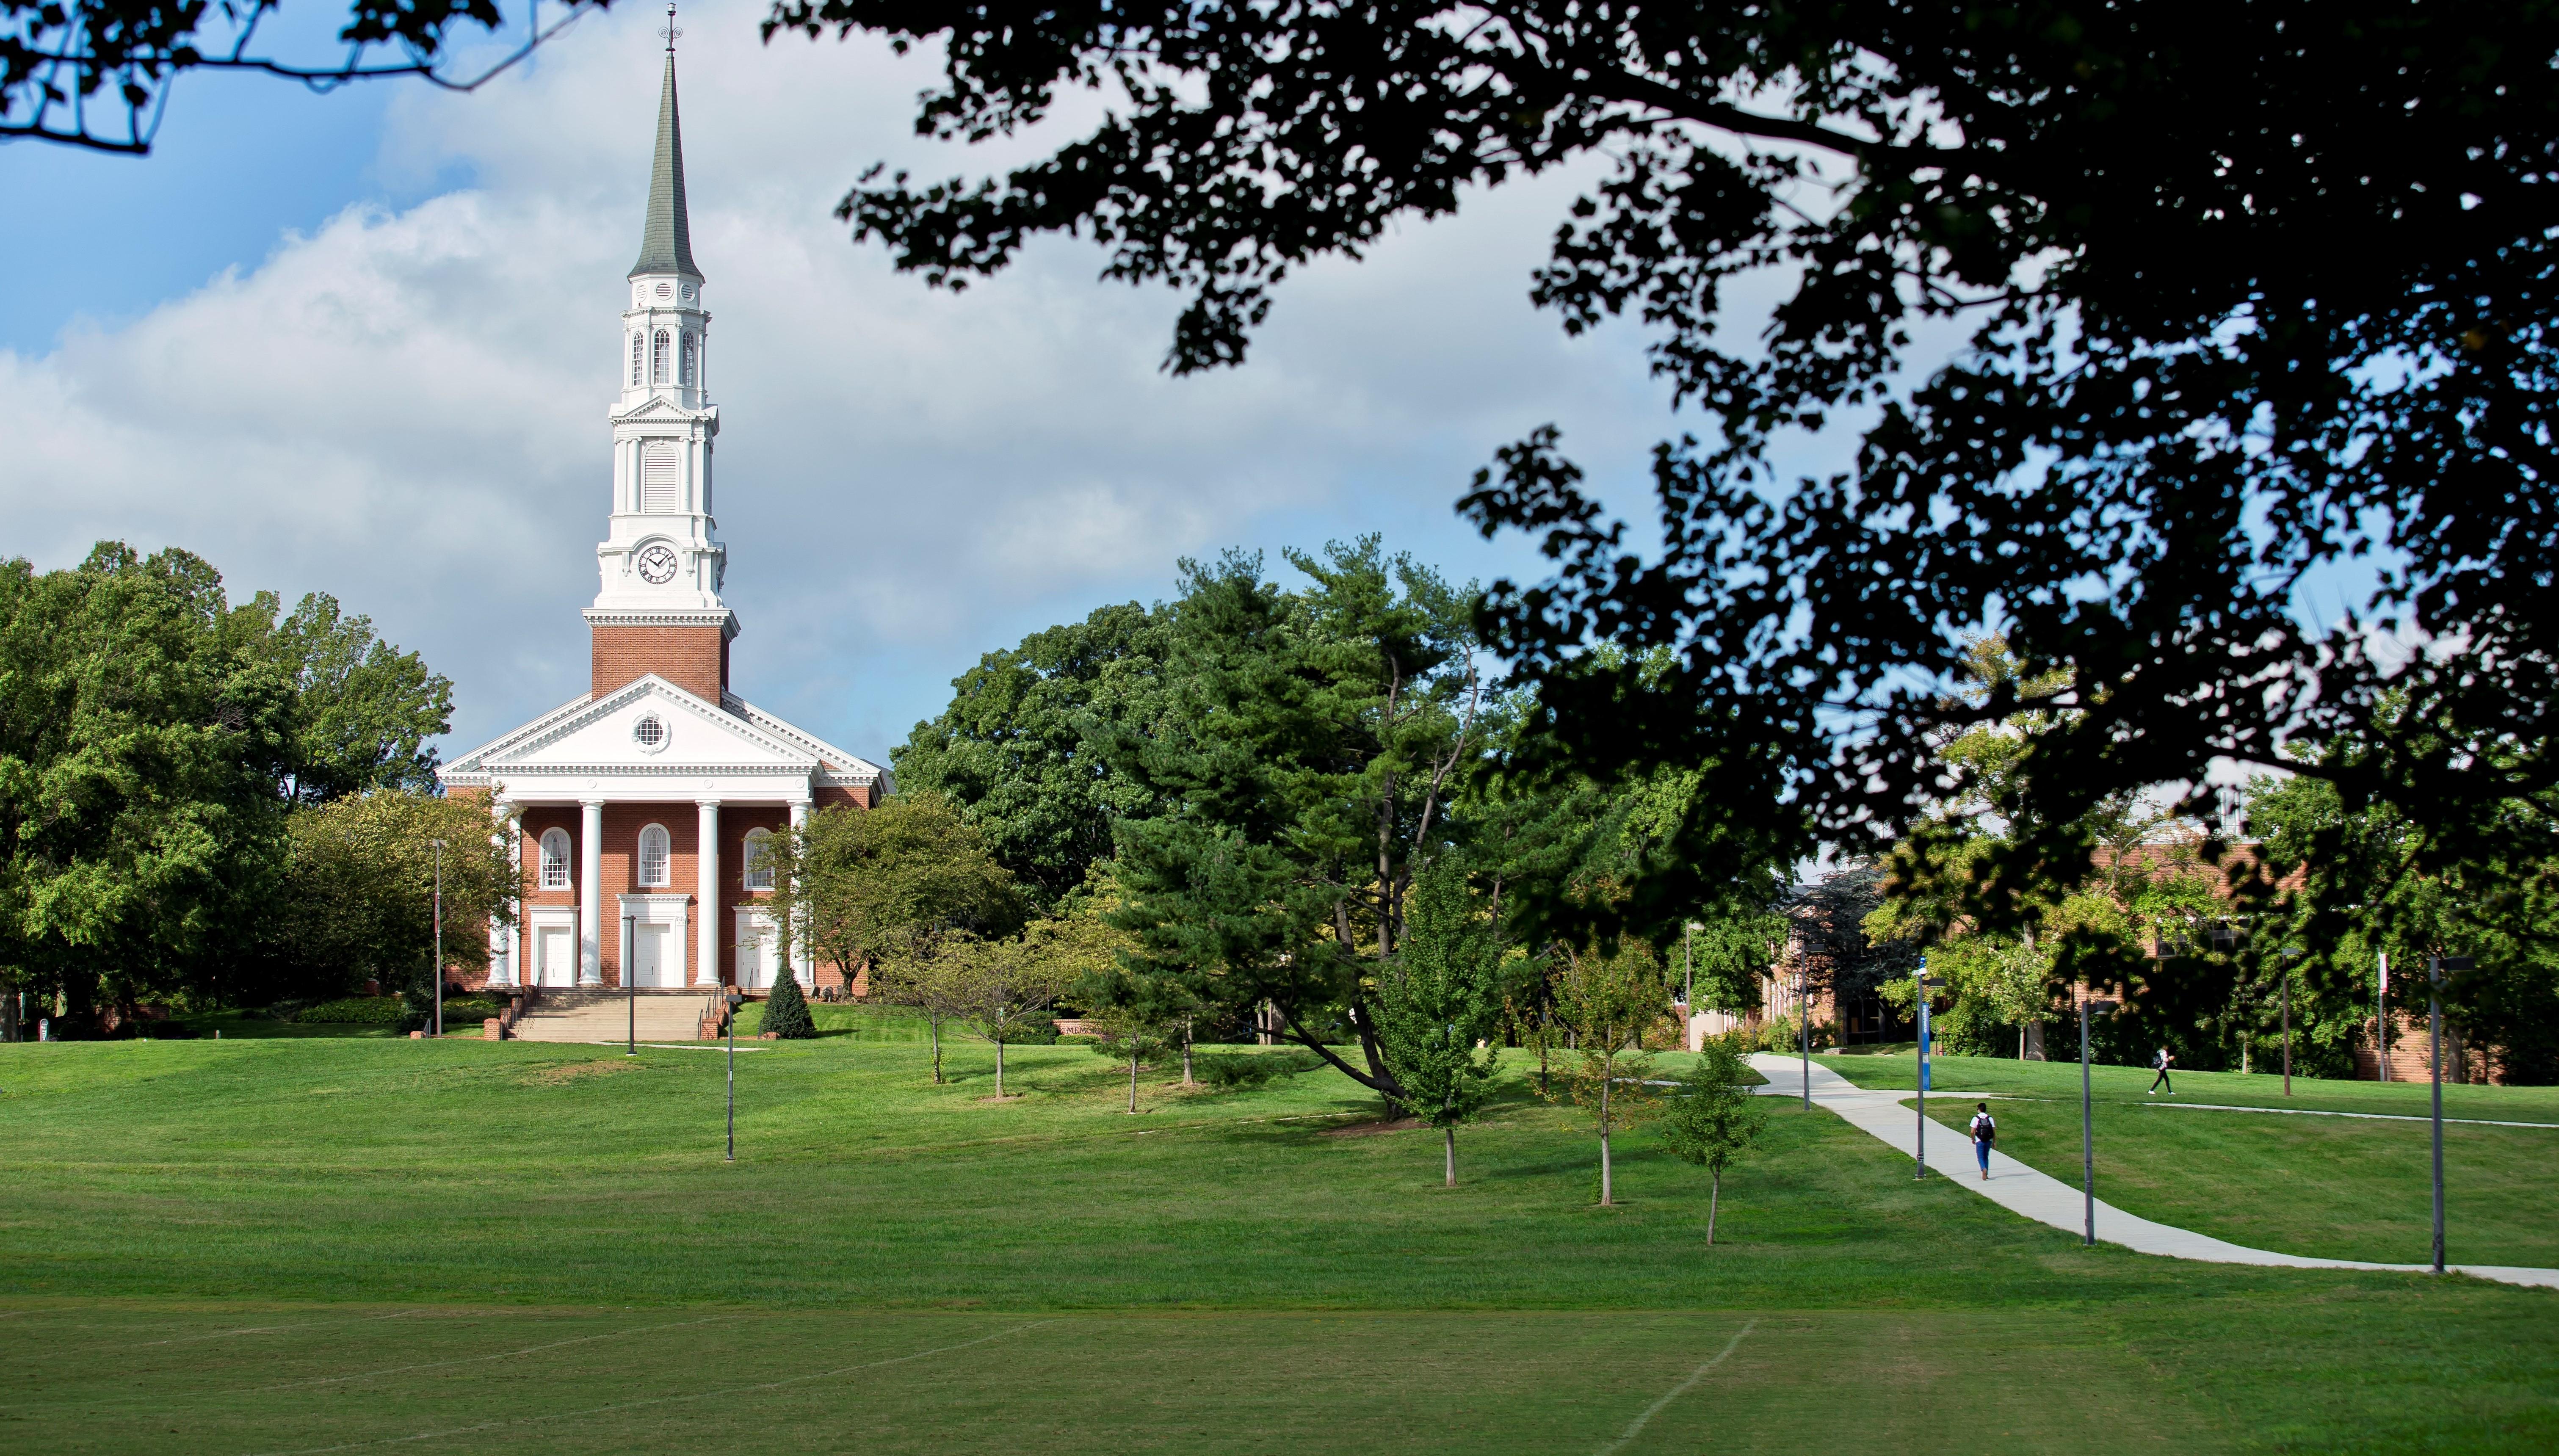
{"x": 408, "y": 408}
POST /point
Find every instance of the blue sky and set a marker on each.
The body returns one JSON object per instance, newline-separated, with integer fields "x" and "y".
{"x": 364, "y": 343}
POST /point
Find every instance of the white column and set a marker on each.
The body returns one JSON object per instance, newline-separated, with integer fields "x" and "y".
{"x": 803, "y": 965}
{"x": 502, "y": 959}
{"x": 590, "y": 893}
{"x": 706, "y": 894}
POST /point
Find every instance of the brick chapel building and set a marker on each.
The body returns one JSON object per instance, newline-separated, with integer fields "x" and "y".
{"x": 641, "y": 807}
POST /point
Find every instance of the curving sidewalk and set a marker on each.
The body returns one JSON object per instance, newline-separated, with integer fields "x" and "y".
{"x": 2040, "y": 1196}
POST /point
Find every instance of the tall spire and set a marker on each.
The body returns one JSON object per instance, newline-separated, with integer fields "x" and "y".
{"x": 667, "y": 242}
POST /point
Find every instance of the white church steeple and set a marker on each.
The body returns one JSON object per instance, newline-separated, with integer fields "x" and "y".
{"x": 661, "y": 562}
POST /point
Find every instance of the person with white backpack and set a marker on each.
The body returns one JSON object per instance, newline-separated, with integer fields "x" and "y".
{"x": 1985, "y": 1128}
{"x": 2160, "y": 1063}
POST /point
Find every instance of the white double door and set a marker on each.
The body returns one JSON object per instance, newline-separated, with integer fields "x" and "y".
{"x": 657, "y": 956}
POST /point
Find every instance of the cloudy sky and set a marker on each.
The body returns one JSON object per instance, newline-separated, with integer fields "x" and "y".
{"x": 365, "y": 343}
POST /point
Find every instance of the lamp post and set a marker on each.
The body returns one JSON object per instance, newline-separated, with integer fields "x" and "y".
{"x": 439, "y": 937}
{"x": 1804, "y": 1015}
{"x": 630, "y": 985}
{"x": 1921, "y": 1148}
{"x": 2435, "y": 968}
{"x": 2382, "y": 1021}
{"x": 2291, "y": 955}
{"x": 2087, "y": 1128}
{"x": 736, "y": 998}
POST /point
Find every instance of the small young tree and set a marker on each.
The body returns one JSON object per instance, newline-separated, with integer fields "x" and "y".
{"x": 1130, "y": 1032}
{"x": 1715, "y": 1117}
{"x": 1604, "y": 1004}
{"x": 786, "y": 1012}
{"x": 931, "y": 974}
{"x": 1440, "y": 997}
{"x": 1009, "y": 985}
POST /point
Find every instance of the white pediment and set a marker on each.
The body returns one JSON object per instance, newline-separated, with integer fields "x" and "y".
{"x": 683, "y": 734}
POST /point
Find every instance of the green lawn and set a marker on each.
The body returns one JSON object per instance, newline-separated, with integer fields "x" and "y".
{"x": 2333, "y": 1187}
{"x": 285, "y": 1245}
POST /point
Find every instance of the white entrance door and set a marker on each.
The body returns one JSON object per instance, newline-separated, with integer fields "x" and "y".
{"x": 759, "y": 953}
{"x": 653, "y": 952}
{"x": 556, "y": 955}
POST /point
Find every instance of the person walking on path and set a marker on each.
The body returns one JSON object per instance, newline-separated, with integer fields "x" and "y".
{"x": 2160, "y": 1063}
{"x": 1985, "y": 1128}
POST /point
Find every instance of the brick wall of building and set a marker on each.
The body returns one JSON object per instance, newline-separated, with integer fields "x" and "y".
{"x": 694, "y": 659}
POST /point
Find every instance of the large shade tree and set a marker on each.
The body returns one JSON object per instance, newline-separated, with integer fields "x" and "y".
{"x": 2245, "y": 292}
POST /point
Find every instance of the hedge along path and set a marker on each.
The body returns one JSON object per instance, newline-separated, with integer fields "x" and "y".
{"x": 2047, "y": 1200}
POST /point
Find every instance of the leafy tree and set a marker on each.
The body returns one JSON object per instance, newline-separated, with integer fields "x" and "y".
{"x": 1437, "y": 999}
{"x": 2247, "y": 293}
{"x": 928, "y": 973}
{"x": 1023, "y": 747}
{"x": 1604, "y": 1005}
{"x": 365, "y": 712}
{"x": 1714, "y": 1119}
{"x": 357, "y": 899}
{"x": 2360, "y": 883}
{"x": 96, "y": 74}
{"x": 141, "y": 826}
{"x": 1309, "y": 762}
{"x": 785, "y": 1011}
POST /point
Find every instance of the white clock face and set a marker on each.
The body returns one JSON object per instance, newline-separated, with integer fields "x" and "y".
{"x": 657, "y": 566}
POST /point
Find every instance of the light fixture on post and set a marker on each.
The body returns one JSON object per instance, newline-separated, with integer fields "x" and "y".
{"x": 2436, "y": 966}
{"x": 2087, "y": 1128}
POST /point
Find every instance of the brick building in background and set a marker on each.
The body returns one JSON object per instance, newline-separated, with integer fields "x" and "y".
{"x": 642, "y": 806}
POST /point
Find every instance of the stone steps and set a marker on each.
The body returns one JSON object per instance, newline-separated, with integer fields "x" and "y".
{"x": 606, "y": 1016}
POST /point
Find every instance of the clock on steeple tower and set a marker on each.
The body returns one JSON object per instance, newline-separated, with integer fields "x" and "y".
{"x": 659, "y": 607}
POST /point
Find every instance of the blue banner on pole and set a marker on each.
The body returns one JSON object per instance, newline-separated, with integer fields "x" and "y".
{"x": 1923, "y": 1024}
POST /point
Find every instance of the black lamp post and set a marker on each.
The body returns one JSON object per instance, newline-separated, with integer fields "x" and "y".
{"x": 1925, "y": 986}
{"x": 736, "y": 998}
{"x": 439, "y": 938}
{"x": 2291, "y": 955}
{"x": 2087, "y": 1128}
{"x": 2435, "y": 968}
{"x": 630, "y": 985}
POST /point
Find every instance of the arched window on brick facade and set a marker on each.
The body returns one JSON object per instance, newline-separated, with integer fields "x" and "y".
{"x": 759, "y": 859}
{"x": 652, "y": 857}
{"x": 556, "y": 859}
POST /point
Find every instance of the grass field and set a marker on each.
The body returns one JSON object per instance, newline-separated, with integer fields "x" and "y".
{"x": 298, "y": 1245}
{"x": 2333, "y": 1187}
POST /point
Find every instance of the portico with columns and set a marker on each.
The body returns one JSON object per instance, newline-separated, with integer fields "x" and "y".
{"x": 639, "y": 811}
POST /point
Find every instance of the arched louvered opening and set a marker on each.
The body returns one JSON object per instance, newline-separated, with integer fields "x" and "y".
{"x": 652, "y": 857}
{"x": 688, "y": 359}
{"x": 634, "y": 359}
{"x": 556, "y": 859}
{"x": 659, "y": 460}
{"x": 657, "y": 358}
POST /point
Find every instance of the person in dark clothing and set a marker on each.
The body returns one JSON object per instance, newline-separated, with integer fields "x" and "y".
{"x": 1983, "y": 1130}
{"x": 2160, "y": 1065}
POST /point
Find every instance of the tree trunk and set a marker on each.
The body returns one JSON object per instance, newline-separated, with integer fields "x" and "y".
{"x": 999, "y": 1068}
{"x": 1186, "y": 1052}
{"x": 933, "y": 1023}
{"x": 1607, "y": 1188}
{"x": 1450, "y": 1131}
{"x": 1715, "y": 1195}
{"x": 1132, "y": 1081}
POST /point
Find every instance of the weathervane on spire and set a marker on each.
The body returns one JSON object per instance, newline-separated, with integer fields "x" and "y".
{"x": 669, "y": 30}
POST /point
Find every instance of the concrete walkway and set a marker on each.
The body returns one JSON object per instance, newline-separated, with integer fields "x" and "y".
{"x": 2047, "y": 1200}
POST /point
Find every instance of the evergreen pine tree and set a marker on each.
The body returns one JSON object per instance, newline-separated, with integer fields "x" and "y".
{"x": 785, "y": 1011}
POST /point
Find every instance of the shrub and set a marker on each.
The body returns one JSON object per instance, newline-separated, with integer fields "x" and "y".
{"x": 786, "y": 1012}
{"x": 358, "y": 1011}
{"x": 1237, "y": 1070}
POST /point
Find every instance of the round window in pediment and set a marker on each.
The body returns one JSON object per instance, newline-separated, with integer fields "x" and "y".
{"x": 650, "y": 733}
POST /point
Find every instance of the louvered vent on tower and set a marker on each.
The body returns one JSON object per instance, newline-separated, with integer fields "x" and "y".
{"x": 657, "y": 476}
